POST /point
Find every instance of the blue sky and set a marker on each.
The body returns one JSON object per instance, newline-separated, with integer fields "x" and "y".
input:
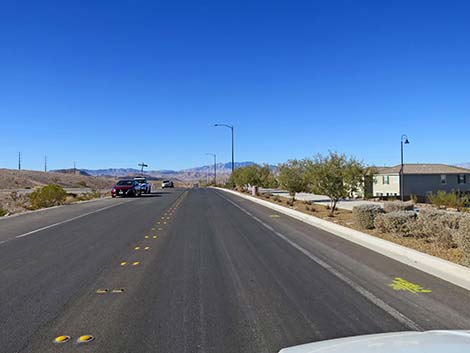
{"x": 111, "y": 83}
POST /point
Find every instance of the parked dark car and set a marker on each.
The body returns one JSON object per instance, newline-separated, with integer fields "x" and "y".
{"x": 144, "y": 184}
{"x": 126, "y": 187}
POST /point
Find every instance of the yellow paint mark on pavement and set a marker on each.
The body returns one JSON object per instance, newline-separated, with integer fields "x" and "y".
{"x": 135, "y": 263}
{"x": 118, "y": 290}
{"x": 275, "y": 216}
{"x": 402, "y": 284}
{"x": 61, "y": 339}
{"x": 137, "y": 248}
{"x": 146, "y": 237}
{"x": 102, "y": 290}
{"x": 155, "y": 237}
{"x": 147, "y": 248}
{"x": 124, "y": 263}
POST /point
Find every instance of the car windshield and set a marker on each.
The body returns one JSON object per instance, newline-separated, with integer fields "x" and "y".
{"x": 125, "y": 182}
{"x": 166, "y": 181}
{"x": 142, "y": 181}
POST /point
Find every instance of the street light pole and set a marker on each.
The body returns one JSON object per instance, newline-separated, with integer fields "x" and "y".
{"x": 404, "y": 141}
{"x": 233, "y": 143}
{"x": 215, "y": 166}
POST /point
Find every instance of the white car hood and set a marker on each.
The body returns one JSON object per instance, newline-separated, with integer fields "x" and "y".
{"x": 397, "y": 342}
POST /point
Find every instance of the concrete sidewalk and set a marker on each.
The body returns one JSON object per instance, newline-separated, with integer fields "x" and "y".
{"x": 322, "y": 199}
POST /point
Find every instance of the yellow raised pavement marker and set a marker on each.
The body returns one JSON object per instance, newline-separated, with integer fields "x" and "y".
{"x": 118, "y": 290}
{"x": 146, "y": 237}
{"x": 85, "y": 339}
{"x": 147, "y": 248}
{"x": 154, "y": 237}
{"x": 135, "y": 263}
{"x": 102, "y": 290}
{"x": 137, "y": 248}
{"x": 61, "y": 339}
{"x": 123, "y": 263}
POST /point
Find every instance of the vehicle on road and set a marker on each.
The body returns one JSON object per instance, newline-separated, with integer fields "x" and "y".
{"x": 126, "y": 187}
{"x": 396, "y": 342}
{"x": 167, "y": 184}
{"x": 144, "y": 184}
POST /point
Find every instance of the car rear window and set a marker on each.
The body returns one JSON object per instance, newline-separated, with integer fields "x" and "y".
{"x": 125, "y": 182}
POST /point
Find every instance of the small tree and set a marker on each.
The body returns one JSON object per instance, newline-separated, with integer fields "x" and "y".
{"x": 292, "y": 177}
{"x": 335, "y": 176}
{"x": 253, "y": 175}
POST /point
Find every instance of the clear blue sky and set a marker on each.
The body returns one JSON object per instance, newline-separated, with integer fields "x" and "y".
{"x": 111, "y": 83}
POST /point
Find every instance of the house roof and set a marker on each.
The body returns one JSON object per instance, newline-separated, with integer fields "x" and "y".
{"x": 424, "y": 169}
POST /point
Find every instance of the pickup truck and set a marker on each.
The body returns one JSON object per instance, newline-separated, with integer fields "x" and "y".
{"x": 144, "y": 184}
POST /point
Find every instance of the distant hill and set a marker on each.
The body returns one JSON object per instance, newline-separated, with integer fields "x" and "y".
{"x": 72, "y": 171}
{"x": 463, "y": 165}
{"x": 189, "y": 174}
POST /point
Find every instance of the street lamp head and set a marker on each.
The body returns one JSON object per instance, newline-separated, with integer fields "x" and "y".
{"x": 406, "y": 142}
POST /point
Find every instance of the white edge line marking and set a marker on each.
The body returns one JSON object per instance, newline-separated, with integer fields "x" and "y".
{"x": 67, "y": 220}
{"x": 358, "y": 288}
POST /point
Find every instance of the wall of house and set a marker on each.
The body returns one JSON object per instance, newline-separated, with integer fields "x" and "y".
{"x": 390, "y": 189}
{"x": 423, "y": 184}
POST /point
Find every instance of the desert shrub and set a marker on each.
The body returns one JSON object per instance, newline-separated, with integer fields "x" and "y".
{"x": 277, "y": 198}
{"x": 395, "y": 206}
{"x": 3, "y": 212}
{"x": 47, "y": 196}
{"x": 448, "y": 199}
{"x": 462, "y": 238}
{"x": 82, "y": 183}
{"x": 398, "y": 223}
{"x": 438, "y": 225}
{"x": 364, "y": 215}
{"x": 290, "y": 202}
{"x": 414, "y": 199}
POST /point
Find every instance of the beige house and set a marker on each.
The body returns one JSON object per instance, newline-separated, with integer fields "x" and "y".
{"x": 420, "y": 180}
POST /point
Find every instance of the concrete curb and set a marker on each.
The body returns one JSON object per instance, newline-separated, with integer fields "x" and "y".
{"x": 446, "y": 270}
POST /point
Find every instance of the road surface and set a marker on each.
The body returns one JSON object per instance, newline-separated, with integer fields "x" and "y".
{"x": 200, "y": 271}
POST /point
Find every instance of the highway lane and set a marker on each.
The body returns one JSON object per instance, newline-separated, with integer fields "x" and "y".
{"x": 220, "y": 274}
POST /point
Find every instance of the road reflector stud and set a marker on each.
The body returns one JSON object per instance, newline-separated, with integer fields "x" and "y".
{"x": 117, "y": 290}
{"x": 85, "y": 339}
{"x": 164, "y": 222}
{"x": 137, "y": 248}
{"x": 61, "y": 339}
{"x": 274, "y": 216}
{"x": 147, "y": 248}
{"x": 146, "y": 237}
{"x": 154, "y": 237}
{"x": 102, "y": 290}
{"x": 135, "y": 263}
{"x": 158, "y": 222}
{"x": 124, "y": 263}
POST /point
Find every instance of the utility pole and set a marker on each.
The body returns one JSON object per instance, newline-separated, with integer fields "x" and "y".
{"x": 45, "y": 164}
{"x": 142, "y": 165}
{"x": 215, "y": 166}
{"x": 74, "y": 167}
{"x": 233, "y": 143}
{"x": 19, "y": 160}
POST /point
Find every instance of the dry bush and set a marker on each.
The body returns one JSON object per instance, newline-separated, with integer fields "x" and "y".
{"x": 3, "y": 212}
{"x": 397, "y": 223}
{"x": 47, "y": 196}
{"x": 395, "y": 206}
{"x": 364, "y": 215}
{"x": 438, "y": 225}
{"x": 462, "y": 238}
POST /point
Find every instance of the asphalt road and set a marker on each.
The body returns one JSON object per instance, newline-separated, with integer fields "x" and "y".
{"x": 200, "y": 271}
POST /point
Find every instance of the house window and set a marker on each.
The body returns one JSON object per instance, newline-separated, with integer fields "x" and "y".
{"x": 386, "y": 179}
{"x": 461, "y": 179}
{"x": 443, "y": 179}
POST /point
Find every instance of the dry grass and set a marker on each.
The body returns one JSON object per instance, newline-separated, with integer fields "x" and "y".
{"x": 21, "y": 179}
{"x": 345, "y": 218}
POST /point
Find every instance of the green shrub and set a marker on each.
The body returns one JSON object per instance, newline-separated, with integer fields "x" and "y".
{"x": 364, "y": 215}
{"x": 462, "y": 239}
{"x": 448, "y": 199}
{"x": 398, "y": 223}
{"x": 438, "y": 225}
{"x": 47, "y": 196}
{"x": 3, "y": 212}
{"x": 395, "y": 206}
{"x": 82, "y": 184}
